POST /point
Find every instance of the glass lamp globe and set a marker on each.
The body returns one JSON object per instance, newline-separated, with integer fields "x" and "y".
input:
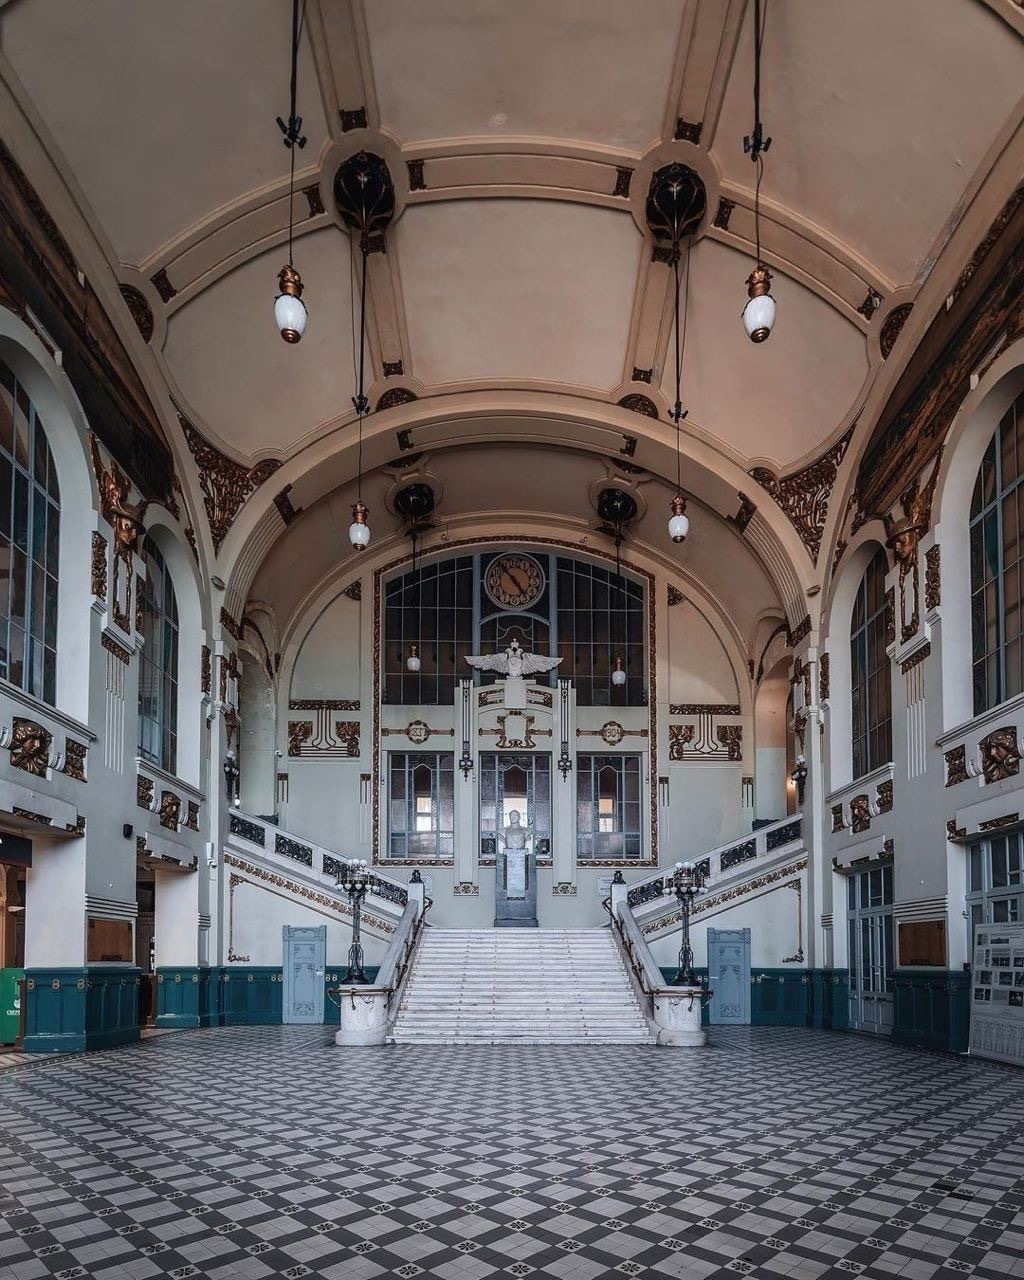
{"x": 359, "y": 530}
{"x": 412, "y": 663}
{"x": 289, "y": 309}
{"x": 759, "y": 313}
{"x": 679, "y": 524}
{"x": 619, "y": 674}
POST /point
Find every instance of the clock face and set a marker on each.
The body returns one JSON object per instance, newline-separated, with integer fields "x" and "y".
{"x": 514, "y": 581}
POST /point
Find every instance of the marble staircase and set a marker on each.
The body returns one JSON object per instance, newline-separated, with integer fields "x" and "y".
{"x": 519, "y": 986}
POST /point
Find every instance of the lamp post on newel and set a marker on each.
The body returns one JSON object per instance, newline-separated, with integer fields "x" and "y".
{"x": 355, "y": 878}
{"x": 687, "y": 881}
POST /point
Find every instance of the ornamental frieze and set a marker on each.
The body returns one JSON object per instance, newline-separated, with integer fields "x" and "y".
{"x": 313, "y": 896}
{"x": 418, "y": 732}
{"x": 956, "y": 765}
{"x": 30, "y": 747}
{"x": 993, "y": 824}
{"x": 705, "y": 740}
{"x": 804, "y": 495}
{"x": 1000, "y": 754}
{"x": 323, "y": 737}
{"x": 226, "y": 485}
{"x": 611, "y": 733}
{"x": 714, "y": 901}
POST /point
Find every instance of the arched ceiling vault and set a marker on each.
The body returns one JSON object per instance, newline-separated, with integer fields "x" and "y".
{"x": 521, "y": 140}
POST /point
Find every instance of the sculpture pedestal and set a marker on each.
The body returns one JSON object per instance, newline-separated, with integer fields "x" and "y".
{"x": 677, "y": 1013}
{"x": 364, "y": 1016}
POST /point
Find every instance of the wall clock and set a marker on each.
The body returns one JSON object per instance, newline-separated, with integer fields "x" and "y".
{"x": 514, "y": 581}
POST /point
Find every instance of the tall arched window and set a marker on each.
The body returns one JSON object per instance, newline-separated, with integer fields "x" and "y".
{"x": 29, "y": 545}
{"x": 158, "y": 667}
{"x": 869, "y": 672}
{"x": 997, "y": 520}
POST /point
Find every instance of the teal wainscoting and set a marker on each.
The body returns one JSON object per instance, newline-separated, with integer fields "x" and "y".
{"x": 779, "y": 997}
{"x": 187, "y": 996}
{"x": 829, "y": 1006}
{"x": 250, "y": 995}
{"x": 932, "y": 1009}
{"x": 68, "y": 1010}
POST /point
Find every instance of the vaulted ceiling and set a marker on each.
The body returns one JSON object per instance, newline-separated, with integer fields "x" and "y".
{"x": 521, "y": 140}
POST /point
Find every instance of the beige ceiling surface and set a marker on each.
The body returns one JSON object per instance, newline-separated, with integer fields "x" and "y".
{"x": 729, "y": 386}
{"x": 880, "y": 112}
{"x": 592, "y": 70}
{"x": 164, "y": 112}
{"x": 521, "y": 139}
{"x": 508, "y": 290}
{"x": 529, "y": 483}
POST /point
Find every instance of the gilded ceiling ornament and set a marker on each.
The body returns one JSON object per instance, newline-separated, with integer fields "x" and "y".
{"x": 417, "y": 182}
{"x": 225, "y": 484}
{"x": 1000, "y": 754}
{"x": 804, "y": 495}
{"x": 892, "y": 327}
{"x": 30, "y": 747}
{"x": 723, "y": 213}
{"x": 994, "y": 232}
{"x": 393, "y": 397}
{"x": 284, "y": 504}
{"x": 636, "y": 402}
{"x": 141, "y": 311}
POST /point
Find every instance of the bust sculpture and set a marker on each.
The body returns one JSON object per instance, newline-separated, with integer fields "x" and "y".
{"x": 515, "y": 835}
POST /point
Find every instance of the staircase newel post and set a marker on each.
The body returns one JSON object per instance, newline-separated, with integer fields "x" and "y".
{"x": 417, "y": 892}
{"x": 619, "y": 889}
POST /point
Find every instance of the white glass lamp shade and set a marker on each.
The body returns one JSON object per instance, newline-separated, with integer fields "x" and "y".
{"x": 412, "y": 663}
{"x": 759, "y": 313}
{"x": 359, "y": 530}
{"x": 619, "y": 673}
{"x": 678, "y": 528}
{"x": 290, "y": 314}
{"x": 289, "y": 309}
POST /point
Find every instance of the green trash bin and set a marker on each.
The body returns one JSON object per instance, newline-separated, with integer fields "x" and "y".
{"x": 10, "y": 1004}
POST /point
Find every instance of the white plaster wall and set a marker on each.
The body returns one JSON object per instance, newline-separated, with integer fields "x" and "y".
{"x": 259, "y": 916}
{"x": 771, "y": 918}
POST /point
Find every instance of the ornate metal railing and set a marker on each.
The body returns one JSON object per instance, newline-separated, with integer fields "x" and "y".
{"x": 719, "y": 862}
{"x": 321, "y": 864}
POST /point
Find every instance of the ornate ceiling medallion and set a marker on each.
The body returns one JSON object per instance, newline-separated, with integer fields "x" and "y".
{"x": 365, "y": 196}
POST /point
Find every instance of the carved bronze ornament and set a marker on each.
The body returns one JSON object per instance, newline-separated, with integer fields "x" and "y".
{"x": 99, "y": 565}
{"x": 679, "y": 736}
{"x": 1000, "y": 754}
{"x": 170, "y": 810}
{"x": 903, "y": 537}
{"x": 30, "y": 747}
{"x": 932, "y": 578}
{"x": 883, "y": 794}
{"x": 74, "y": 759}
{"x": 956, "y": 765}
{"x": 123, "y": 516}
{"x": 804, "y": 495}
{"x": 299, "y": 731}
{"x": 225, "y": 484}
{"x": 860, "y": 814}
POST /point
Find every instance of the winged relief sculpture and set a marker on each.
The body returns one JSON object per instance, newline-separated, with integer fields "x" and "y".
{"x": 514, "y": 662}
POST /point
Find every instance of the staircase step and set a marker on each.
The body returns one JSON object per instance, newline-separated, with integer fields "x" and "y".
{"x": 537, "y": 986}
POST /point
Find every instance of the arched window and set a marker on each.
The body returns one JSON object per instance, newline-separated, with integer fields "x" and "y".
{"x": 158, "y": 667}
{"x": 869, "y": 672}
{"x": 997, "y": 518}
{"x": 29, "y": 544}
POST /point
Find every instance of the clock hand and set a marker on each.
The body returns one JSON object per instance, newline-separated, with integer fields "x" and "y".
{"x": 518, "y": 585}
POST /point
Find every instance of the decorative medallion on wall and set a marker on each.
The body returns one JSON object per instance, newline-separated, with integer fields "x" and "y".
{"x": 466, "y": 889}
{"x": 1000, "y": 755}
{"x": 225, "y": 484}
{"x": 170, "y": 810}
{"x": 637, "y": 402}
{"x": 393, "y": 397}
{"x": 418, "y": 732}
{"x": 932, "y": 578}
{"x": 611, "y": 733}
{"x": 324, "y": 737}
{"x": 30, "y": 747}
{"x": 74, "y": 759}
{"x": 804, "y": 496}
{"x": 563, "y": 889}
{"x": 99, "y": 565}
{"x": 956, "y": 766}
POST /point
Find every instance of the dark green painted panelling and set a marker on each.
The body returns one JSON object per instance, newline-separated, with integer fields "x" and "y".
{"x": 932, "y": 1009}
{"x": 250, "y": 995}
{"x": 68, "y": 1010}
{"x": 829, "y": 999}
{"x": 187, "y": 997}
{"x": 779, "y": 997}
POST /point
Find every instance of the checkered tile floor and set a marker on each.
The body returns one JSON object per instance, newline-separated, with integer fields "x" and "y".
{"x": 265, "y": 1152}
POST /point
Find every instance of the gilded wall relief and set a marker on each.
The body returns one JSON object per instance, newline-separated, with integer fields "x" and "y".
{"x": 30, "y": 747}
{"x": 804, "y": 495}
{"x": 323, "y": 737}
{"x": 225, "y": 484}
{"x": 903, "y": 538}
{"x": 1000, "y": 754}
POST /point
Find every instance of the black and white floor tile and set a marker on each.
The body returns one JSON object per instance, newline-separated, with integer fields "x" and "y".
{"x": 266, "y": 1151}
